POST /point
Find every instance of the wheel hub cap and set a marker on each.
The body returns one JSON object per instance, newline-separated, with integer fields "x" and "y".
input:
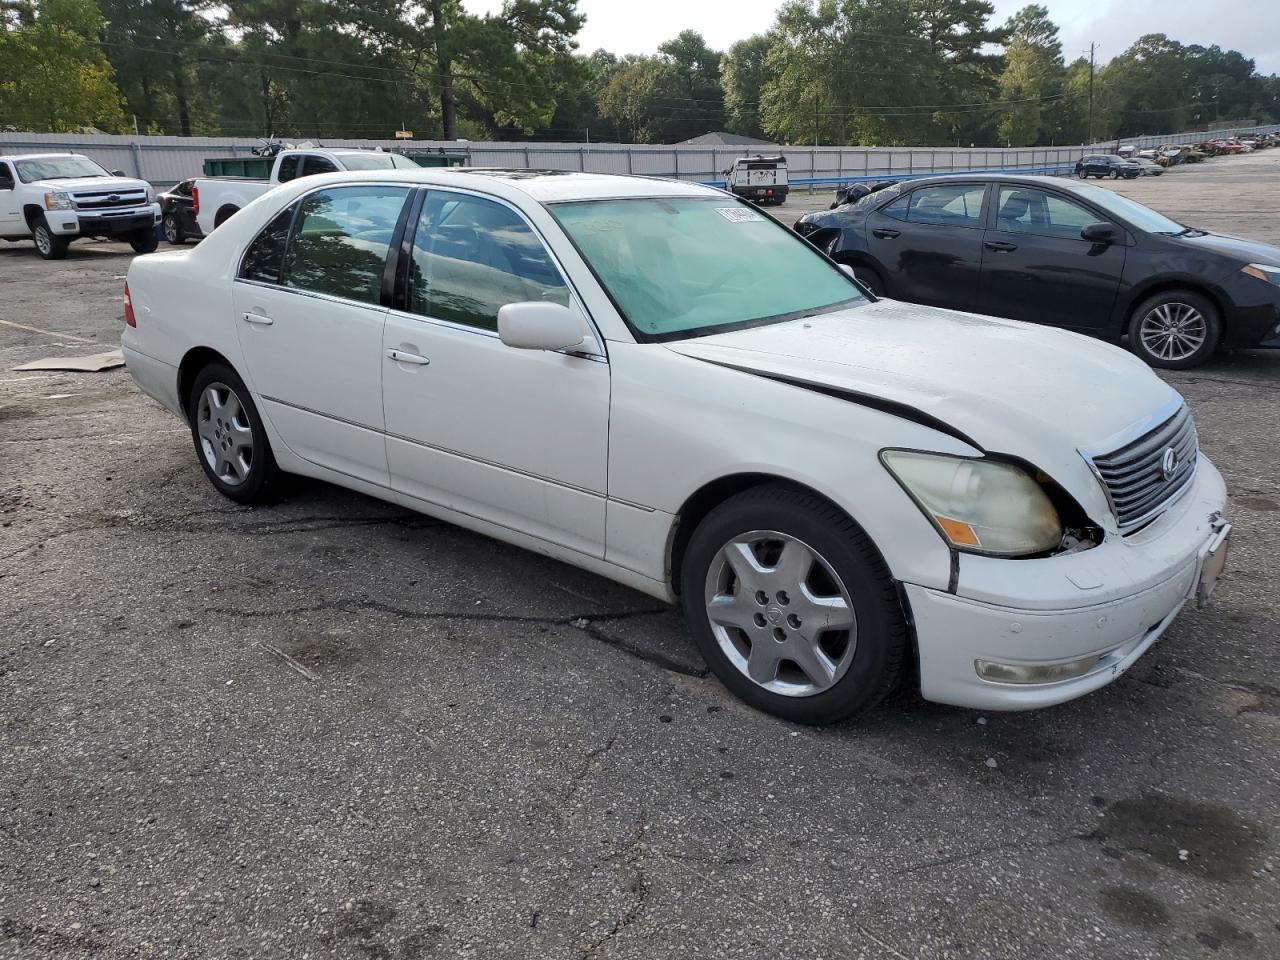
{"x": 780, "y": 613}
{"x": 226, "y": 439}
{"x": 1173, "y": 331}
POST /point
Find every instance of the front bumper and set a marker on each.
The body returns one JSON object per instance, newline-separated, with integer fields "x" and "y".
{"x": 1111, "y": 602}
{"x": 113, "y": 223}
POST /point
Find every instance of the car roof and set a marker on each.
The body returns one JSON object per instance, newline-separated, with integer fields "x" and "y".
{"x": 542, "y": 186}
{"x": 1031, "y": 180}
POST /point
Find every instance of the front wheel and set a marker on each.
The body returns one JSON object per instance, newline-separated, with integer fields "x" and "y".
{"x": 144, "y": 241}
{"x": 1115, "y": 174}
{"x": 173, "y": 230}
{"x": 1175, "y": 329}
{"x": 48, "y": 245}
{"x": 869, "y": 279}
{"x": 792, "y": 606}
{"x": 230, "y": 440}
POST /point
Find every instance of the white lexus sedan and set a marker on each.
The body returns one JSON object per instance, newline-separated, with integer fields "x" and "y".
{"x": 655, "y": 382}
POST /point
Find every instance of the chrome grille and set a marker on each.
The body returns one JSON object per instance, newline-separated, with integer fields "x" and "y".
{"x": 1134, "y": 477}
{"x": 109, "y": 199}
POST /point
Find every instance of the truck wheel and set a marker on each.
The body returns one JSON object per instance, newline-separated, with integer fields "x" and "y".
{"x": 173, "y": 230}
{"x": 144, "y": 241}
{"x": 48, "y": 245}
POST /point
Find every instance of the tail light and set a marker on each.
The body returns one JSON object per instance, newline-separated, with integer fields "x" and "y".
{"x": 195, "y": 200}
{"x": 129, "y": 318}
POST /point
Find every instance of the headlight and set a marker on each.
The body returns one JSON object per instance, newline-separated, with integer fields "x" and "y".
{"x": 981, "y": 506}
{"x": 1263, "y": 271}
{"x": 57, "y": 200}
{"x": 151, "y": 194}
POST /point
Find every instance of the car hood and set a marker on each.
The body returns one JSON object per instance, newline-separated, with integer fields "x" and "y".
{"x": 1246, "y": 251}
{"x": 1032, "y": 392}
{"x": 93, "y": 183}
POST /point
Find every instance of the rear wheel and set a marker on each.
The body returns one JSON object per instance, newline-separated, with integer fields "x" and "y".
{"x": 792, "y": 606}
{"x": 1175, "y": 329}
{"x": 48, "y": 245}
{"x": 229, "y": 438}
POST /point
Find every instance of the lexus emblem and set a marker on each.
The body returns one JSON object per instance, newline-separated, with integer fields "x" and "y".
{"x": 1168, "y": 463}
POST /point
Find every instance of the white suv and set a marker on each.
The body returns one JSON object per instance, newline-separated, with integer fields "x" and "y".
{"x": 53, "y": 198}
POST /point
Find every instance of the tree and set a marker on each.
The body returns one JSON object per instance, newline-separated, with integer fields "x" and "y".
{"x": 744, "y": 70}
{"x": 1032, "y": 79}
{"x": 52, "y": 76}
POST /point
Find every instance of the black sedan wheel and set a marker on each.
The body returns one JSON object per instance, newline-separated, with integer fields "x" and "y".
{"x": 173, "y": 230}
{"x": 1175, "y": 329}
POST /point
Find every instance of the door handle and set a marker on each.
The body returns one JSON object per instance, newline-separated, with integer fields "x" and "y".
{"x": 999, "y": 246}
{"x": 884, "y": 233}
{"x": 258, "y": 318}
{"x": 400, "y": 356}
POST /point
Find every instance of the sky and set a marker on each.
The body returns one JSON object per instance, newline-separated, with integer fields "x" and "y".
{"x": 1250, "y": 26}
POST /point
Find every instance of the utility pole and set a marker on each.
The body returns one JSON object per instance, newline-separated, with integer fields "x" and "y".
{"x": 1090, "y": 130}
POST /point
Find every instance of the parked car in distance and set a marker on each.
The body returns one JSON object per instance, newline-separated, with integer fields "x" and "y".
{"x": 178, "y": 213}
{"x": 762, "y": 180}
{"x": 217, "y": 199}
{"x": 1148, "y": 168}
{"x": 54, "y": 198}
{"x": 1056, "y": 251}
{"x": 656, "y": 382}
{"x": 1105, "y": 165}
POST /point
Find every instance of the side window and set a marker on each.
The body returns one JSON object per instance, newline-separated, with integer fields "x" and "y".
{"x": 341, "y": 239}
{"x": 316, "y": 165}
{"x": 184, "y": 188}
{"x": 1034, "y": 211}
{"x": 6, "y": 177}
{"x": 951, "y": 204}
{"x": 897, "y": 209}
{"x": 289, "y": 167}
{"x": 472, "y": 256}
{"x": 263, "y": 259}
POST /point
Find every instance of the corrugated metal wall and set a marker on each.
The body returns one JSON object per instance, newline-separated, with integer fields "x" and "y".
{"x": 166, "y": 160}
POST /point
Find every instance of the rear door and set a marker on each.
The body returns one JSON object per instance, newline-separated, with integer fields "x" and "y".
{"x": 309, "y": 316}
{"x": 928, "y": 243}
{"x": 11, "y": 223}
{"x": 1035, "y": 266}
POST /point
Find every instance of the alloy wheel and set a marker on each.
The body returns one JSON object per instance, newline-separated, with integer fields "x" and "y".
{"x": 170, "y": 229}
{"x": 44, "y": 242}
{"x": 1173, "y": 331}
{"x": 780, "y": 614}
{"x": 226, "y": 438}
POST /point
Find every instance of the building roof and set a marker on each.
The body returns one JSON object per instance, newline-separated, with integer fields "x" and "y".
{"x": 721, "y": 138}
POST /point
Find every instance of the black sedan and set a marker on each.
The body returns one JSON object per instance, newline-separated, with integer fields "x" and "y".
{"x": 178, "y": 207}
{"x": 1056, "y": 251}
{"x": 1105, "y": 165}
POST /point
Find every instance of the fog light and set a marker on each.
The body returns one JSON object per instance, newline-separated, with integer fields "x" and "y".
{"x": 1038, "y": 673}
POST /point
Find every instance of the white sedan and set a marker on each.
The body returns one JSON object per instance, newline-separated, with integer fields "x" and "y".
{"x": 657, "y": 383}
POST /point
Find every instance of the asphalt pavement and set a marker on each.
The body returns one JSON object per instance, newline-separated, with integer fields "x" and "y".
{"x": 334, "y": 729}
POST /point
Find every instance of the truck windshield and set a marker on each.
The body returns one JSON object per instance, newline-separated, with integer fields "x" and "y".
{"x": 689, "y": 266}
{"x": 377, "y": 161}
{"x": 57, "y": 168}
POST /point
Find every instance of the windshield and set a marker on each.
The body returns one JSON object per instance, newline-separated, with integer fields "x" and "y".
{"x": 377, "y": 161}
{"x": 680, "y": 267}
{"x": 1142, "y": 217}
{"x": 58, "y": 168}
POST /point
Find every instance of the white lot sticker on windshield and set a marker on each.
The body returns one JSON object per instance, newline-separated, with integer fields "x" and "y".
{"x": 738, "y": 214}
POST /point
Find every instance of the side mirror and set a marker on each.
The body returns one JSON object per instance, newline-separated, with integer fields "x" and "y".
{"x": 1099, "y": 233}
{"x": 118, "y": 173}
{"x": 848, "y": 271}
{"x": 535, "y": 325}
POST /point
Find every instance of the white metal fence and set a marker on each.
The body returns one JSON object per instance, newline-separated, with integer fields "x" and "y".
{"x": 166, "y": 160}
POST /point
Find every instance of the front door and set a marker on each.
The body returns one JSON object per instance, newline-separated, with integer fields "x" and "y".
{"x": 929, "y": 244}
{"x": 1036, "y": 267}
{"x": 11, "y": 223}
{"x": 515, "y": 437}
{"x": 309, "y": 318}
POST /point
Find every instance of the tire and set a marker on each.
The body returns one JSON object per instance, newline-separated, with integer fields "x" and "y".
{"x": 1115, "y": 174}
{"x": 1190, "y": 317}
{"x": 224, "y": 427}
{"x": 173, "y": 230}
{"x": 788, "y": 531}
{"x": 144, "y": 241}
{"x": 48, "y": 245}
{"x": 869, "y": 279}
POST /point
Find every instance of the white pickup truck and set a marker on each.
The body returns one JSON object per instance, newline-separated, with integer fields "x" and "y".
{"x": 758, "y": 179}
{"x": 53, "y": 198}
{"x": 217, "y": 198}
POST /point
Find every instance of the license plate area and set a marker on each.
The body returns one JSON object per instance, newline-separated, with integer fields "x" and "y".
{"x": 1212, "y": 564}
